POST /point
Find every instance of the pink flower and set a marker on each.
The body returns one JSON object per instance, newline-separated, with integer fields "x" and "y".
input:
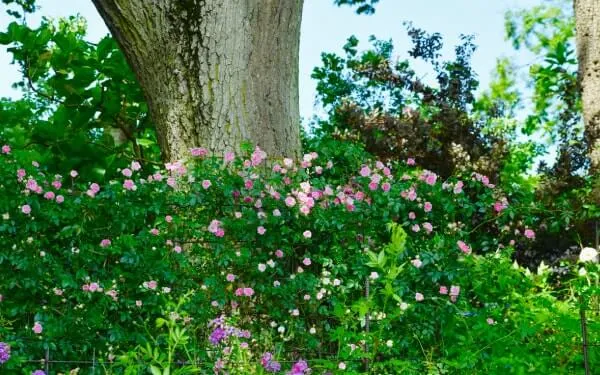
{"x": 307, "y": 234}
{"x": 419, "y": 297}
{"x": 386, "y": 186}
{"x": 427, "y": 207}
{"x": 95, "y": 187}
{"x": 199, "y": 151}
{"x": 365, "y": 171}
{"x": 229, "y": 156}
{"x": 415, "y": 228}
{"x": 138, "y": 303}
{"x": 307, "y": 262}
{"x": 412, "y": 194}
{"x": 105, "y": 243}
{"x": 248, "y": 184}
{"x": 373, "y": 185}
{"x": 428, "y": 227}
{"x": 464, "y": 247}
{"x": 73, "y": 173}
{"x": 410, "y": 161}
{"x": 279, "y": 253}
{"x": 261, "y": 230}
{"x": 129, "y": 185}
{"x": 230, "y": 277}
{"x": 458, "y": 187}
{"x": 49, "y": 195}
{"x": 6, "y": 149}
{"x": 290, "y": 201}
{"x": 443, "y": 289}
{"x": 136, "y": 166}
{"x": 206, "y": 184}
{"x": 37, "y": 328}
{"x": 177, "y": 249}
{"x": 416, "y": 262}
{"x": 454, "y": 290}
{"x": 154, "y": 231}
{"x": 151, "y": 284}
{"x": 93, "y": 287}
{"x": 168, "y": 218}
{"x": 412, "y": 215}
{"x": 499, "y": 206}
{"x": 490, "y": 321}
{"x": 56, "y": 184}
{"x": 21, "y": 173}
{"x": 60, "y": 199}
{"x": 248, "y": 292}
{"x": 127, "y": 172}
{"x": 431, "y": 179}
{"x": 529, "y": 234}
{"x": 26, "y": 209}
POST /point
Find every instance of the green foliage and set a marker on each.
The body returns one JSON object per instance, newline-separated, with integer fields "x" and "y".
{"x": 385, "y": 105}
{"x": 219, "y": 261}
{"x": 362, "y": 6}
{"x": 83, "y": 108}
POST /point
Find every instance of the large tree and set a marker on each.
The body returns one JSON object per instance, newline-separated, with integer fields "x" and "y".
{"x": 587, "y": 18}
{"x": 214, "y": 72}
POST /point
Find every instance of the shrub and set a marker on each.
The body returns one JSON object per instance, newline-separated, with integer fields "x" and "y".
{"x": 240, "y": 263}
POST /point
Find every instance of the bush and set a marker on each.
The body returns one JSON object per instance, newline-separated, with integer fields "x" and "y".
{"x": 245, "y": 265}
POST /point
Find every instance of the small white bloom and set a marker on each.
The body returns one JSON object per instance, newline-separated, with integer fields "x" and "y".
{"x": 262, "y": 267}
{"x": 374, "y": 275}
{"x": 389, "y": 343}
{"x": 588, "y": 254}
{"x": 403, "y": 306}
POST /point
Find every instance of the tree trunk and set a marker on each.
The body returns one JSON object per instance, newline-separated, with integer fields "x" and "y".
{"x": 215, "y": 73}
{"x": 587, "y": 20}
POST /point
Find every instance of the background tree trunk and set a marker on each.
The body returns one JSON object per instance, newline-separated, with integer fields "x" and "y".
{"x": 214, "y": 72}
{"x": 587, "y": 19}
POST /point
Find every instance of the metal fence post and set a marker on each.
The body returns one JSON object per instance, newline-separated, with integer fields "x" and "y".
{"x": 47, "y": 361}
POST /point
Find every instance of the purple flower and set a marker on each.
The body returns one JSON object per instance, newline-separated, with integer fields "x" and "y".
{"x": 38, "y": 372}
{"x": 217, "y": 336}
{"x": 4, "y": 352}
{"x": 269, "y": 364}
{"x": 299, "y": 368}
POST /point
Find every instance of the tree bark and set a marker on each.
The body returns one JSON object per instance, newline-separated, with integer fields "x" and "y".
{"x": 587, "y": 20}
{"x": 215, "y": 73}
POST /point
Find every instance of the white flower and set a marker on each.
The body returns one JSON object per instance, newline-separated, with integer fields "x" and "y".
{"x": 312, "y": 330}
{"x": 374, "y": 275}
{"x": 403, "y": 306}
{"x": 582, "y": 272}
{"x": 262, "y": 267}
{"x": 588, "y": 254}
{"x": 342, "y": 366}
{"x": 389, "y": 343}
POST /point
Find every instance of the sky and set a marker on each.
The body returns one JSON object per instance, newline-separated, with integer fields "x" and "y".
{"x": 326, "y": 27}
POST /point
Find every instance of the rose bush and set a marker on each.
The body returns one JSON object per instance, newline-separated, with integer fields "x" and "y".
{"x": 243, "y": 264}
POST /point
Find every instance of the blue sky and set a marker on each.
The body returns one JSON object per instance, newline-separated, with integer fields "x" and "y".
{"x": 325, "y": 28}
